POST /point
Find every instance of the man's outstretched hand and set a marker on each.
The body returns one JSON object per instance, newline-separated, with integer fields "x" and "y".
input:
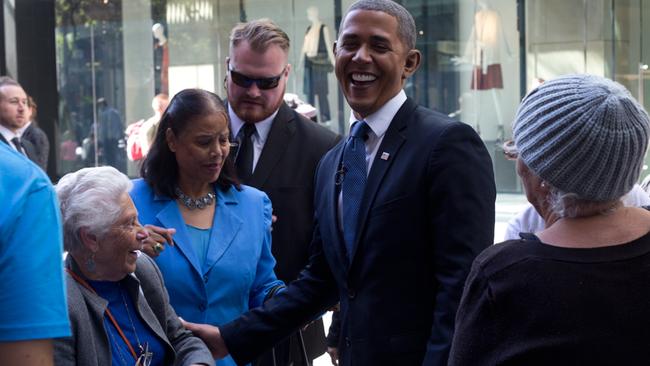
{"x": 211, "y": 336}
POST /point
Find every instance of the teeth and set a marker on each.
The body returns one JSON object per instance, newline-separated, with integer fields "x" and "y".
{"x": 363, "y": 77}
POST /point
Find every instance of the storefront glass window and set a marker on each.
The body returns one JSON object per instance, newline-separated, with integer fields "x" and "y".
{"x": 602, "y": 37}
{"x": 479, "y": 58}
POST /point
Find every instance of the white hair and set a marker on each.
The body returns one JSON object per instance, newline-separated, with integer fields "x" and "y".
{"x": 570, "y": 205}
{"x": 90, "y": 198}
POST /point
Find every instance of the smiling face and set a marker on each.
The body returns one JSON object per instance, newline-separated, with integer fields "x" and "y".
{"x": 253, "y": 104}
{"x": 201, "y": 148}
{"x": 13, "y": 107}
{"x": 372, "y": 62}
{"x": 117, "y": 249}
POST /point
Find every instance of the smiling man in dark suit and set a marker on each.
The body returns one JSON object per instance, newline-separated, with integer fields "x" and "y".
{"x": 402, "y": 208}
{"x": 278, "y": 154}
{"x": 14, "y": 116}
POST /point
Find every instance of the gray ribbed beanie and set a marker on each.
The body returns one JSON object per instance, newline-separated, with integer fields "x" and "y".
{"x": 583, "y": 134}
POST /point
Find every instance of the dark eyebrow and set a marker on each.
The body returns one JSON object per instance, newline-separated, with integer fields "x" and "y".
{"x": 374, "y": 38}
{"x": 204, "y": 136}
{"x": 379, "y": 39}
{"x": 348, "y": 36}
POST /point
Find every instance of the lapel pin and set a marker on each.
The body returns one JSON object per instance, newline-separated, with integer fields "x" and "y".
{"x": 384, "y": 156}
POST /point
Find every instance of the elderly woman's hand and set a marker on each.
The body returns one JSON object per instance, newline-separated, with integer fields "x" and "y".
{"x": 158, "y": 237}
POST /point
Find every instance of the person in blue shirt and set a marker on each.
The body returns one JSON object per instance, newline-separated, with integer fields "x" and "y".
{"x": 32, "y": 302}
{"x": 119, "y": 309}
{"x": 221, "y": 263}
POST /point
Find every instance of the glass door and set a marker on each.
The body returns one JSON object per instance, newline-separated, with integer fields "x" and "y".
{"x": 631, "y": 50}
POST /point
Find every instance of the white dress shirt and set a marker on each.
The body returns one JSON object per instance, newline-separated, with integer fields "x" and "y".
{"x": 9, "y": 135}
{"x": 22, "y": 130}
{"x": 262, "y": 129}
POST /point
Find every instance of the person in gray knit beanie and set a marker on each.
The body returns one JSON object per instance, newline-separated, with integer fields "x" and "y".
{"x": 574, "y": 293}
{"x": 583, "y": 134}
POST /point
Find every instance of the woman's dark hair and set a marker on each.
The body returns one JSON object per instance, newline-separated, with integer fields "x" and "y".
{"x": 160, "y": 168}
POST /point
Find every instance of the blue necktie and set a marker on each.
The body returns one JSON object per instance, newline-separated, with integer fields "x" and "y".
{"x": 354, "y": 182}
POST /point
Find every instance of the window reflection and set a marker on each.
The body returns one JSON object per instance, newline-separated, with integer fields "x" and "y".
{"x": 113, "y": 56}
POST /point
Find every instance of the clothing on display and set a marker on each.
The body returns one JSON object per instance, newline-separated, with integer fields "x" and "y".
{"x": 484, "y": 48}
{"x": 491, "y": 79}
{"x": 161, "y": 59}
{"x": 317, "y": 66}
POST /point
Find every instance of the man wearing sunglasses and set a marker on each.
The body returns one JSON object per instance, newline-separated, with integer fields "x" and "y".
{"x": 278, "y": 152}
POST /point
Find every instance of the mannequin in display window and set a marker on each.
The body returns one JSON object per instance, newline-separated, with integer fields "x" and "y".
{"x": 161, "y": 59}
{"x": 484, "y": 50}
{"x": 318, "y": 61}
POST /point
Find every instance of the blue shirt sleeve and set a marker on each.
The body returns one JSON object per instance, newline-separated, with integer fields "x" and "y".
{"x": 32, "y": 295}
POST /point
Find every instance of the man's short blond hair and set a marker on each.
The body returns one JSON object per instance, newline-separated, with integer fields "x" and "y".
{"x": 5, "y": 81}
{"x": 260, "y": 35}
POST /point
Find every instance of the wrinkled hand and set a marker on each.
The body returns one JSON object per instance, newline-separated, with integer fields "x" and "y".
{"x": 158, "y": 237}
{"x": 334, "y": 355}
{"x": 210, "y": 336}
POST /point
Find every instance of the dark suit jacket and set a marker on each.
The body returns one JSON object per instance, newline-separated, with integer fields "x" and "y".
{"x": 29, "y": 148}
{"x": 285, "y": 172}
{"x": 39, "y": 141}
{"x": 427, "y": 211}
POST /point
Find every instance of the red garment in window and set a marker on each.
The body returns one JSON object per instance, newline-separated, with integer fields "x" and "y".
{"x": 491, "y": 79}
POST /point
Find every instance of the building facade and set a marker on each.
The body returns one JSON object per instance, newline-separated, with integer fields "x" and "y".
{"x": 93, "y": 66}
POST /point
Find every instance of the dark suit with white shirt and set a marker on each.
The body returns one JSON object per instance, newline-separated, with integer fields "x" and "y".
{"x": 27, "y": 146}
{"x": 426, "y": 212}
{"x": 285, "y": 172}
{"x": 37, "y": 137}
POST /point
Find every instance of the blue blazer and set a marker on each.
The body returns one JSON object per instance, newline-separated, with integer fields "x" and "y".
{"x": 427, "y": 211}
{"x": 238, "y": 273}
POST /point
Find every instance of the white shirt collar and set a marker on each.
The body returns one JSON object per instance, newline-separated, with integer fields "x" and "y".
{"x": 263, "y": 127}
{"x": 24, "y": 128}
{"x": 380, "y": 120}
{"x": 8, "y": 134}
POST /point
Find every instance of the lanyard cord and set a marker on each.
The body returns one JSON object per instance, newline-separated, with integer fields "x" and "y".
{"x": 85, "y": 284}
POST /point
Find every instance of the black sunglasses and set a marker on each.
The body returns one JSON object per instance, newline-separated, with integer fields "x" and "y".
{"x": 262, "y": 83}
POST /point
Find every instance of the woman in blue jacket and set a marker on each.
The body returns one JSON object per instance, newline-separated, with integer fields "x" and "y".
{"x": 220, "y": 264}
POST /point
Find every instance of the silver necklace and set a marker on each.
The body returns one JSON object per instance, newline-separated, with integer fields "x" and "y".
{"x": 192, "y": 203}
{"x": 128, "y": 313}
{"x": 112, "y": 336}
{"x": 145, "y": 356}
{"x": 119, "y": 349}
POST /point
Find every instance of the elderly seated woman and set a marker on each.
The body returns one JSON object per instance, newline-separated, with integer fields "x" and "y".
{"x": 575, "y": 293}
{"x": 119, "y": 308}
